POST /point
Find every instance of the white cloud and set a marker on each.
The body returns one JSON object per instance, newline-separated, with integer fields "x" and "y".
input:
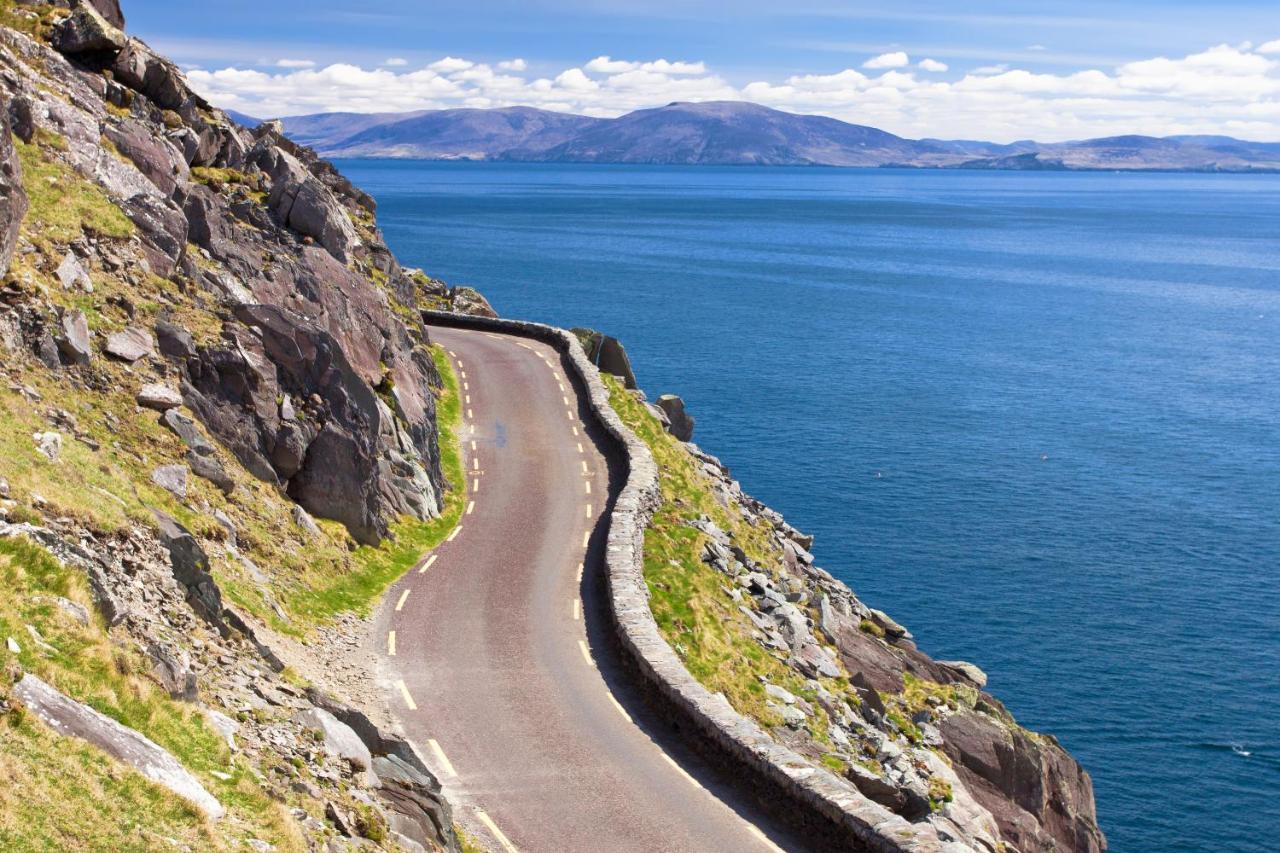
{"x": 1222, "y": 89}
{"x": 295, "y": 63}
{"x": 609, "y": 65}
{"x": 897, "y": 59}
{"x": 395, "y": 62}
{"x": 450, "y": 63}
{"x": 1036, "y": 47}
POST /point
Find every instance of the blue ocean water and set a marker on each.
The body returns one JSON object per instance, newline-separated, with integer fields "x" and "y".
{"x": 1036, "y": 417}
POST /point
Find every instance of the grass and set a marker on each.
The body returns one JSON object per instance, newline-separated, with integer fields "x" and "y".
{"x": 694, "y": 612}
{"x": 63, "y": 205}
{"x": 376, "y": 568}
{"x": 59, "y": 793}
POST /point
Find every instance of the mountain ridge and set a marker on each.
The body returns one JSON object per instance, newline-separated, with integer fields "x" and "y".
{"x": 741, "y": 133}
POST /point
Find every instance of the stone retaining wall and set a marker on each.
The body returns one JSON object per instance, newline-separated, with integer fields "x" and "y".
{"x": 832, "y": 808}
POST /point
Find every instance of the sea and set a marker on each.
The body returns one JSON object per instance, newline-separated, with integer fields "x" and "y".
{"x": 1033, "y": 416}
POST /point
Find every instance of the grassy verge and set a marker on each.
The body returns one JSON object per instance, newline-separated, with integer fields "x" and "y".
{"x": 689, "y": 599}
{"x": 377, "y": 568}
{"x": 59, "y": 793}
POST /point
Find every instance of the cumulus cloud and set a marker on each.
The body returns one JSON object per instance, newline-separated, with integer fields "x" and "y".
{"x": 395, "y": 62}
{"x": 1223, "y": 89}
{"x": 295, "y": 63}
{"x": 897, "y": 59}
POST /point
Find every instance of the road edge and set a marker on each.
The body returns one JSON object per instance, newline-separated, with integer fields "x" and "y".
{"x": 835, "y": 808}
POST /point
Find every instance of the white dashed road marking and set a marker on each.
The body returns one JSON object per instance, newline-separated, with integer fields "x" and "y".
{"x": 403, "y": 596}
{"x": 586, "y": 538}
{"x": 588, "y": 485}
{"x": 589, "y": 513}
{"x": 577, "y": 609}
{"x": 586, "y": 655}
{"x": 454, "y": 534}
{"x": 428, "y": 563}
{"x": 471, "y": 507}
{"x": 391, "y": 644}
{"x": 621, "y": 710}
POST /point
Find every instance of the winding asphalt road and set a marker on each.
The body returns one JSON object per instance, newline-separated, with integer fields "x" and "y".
{"x": 496, "y": 647}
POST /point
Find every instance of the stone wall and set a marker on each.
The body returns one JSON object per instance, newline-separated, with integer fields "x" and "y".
{"x": 829, "y": 807}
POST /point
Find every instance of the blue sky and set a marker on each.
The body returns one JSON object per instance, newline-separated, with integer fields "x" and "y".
{"x": 745, "y": 49}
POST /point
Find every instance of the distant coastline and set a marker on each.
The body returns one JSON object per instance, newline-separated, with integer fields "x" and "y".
{"x": 733, "y": 133}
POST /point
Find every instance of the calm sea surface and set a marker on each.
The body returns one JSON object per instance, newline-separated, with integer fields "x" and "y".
{"x": 1034, "y": 417}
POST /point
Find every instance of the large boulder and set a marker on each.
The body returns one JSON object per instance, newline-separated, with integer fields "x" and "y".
{"x": 73, "y": 343}
{"x": 608, "y": 354}
{"x": 190, "y": 566}
{"x": 680, "y": 423}
{"x": 86, "y": 31}
{"x": 306, "y": 205}
{"x": 131, "y": 344}
{"x": 337, "y": 738}
{"x": 71, "y": 719}
{"x": 418, "y": 810}
{"x": 1039, "y": 796}
{"x": 109, "y": 10}
{"x": 13, "y": 198}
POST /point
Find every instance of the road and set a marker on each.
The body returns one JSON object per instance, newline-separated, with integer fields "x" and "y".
{"x": 495, "y": 649}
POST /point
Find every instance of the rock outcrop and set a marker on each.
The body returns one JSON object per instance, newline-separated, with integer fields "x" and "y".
{"x": 318, "y": 380}
{"x": 68, "y": 717}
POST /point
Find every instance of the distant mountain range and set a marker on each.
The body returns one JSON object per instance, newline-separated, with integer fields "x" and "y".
{"x": 739, "y": 133}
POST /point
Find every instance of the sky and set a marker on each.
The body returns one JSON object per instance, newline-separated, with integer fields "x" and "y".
{"x": 984, "y": 69}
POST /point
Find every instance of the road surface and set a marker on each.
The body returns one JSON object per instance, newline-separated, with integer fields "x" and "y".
{"x": 495, "y": 649}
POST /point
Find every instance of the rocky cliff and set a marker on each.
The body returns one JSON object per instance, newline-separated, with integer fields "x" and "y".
{"x": 218, "y": 401}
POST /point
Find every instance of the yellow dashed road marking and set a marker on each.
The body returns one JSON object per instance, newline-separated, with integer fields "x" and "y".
{"x": 473, "y": 444}
{"x": 577, "y": 610}
{"x": 585, "y": 469}
{"x": 468, "y": 400}
{"x": 470, "y": 415}
{"x": 428, "y": 563}
{"x": 471, "y": 507}
{"x": 475, "y": 464}
{"x": 475, "y": 484}
{"x": 391, "y": 644}
{"x": 497, "y": 833}
{"x": 589, "y": 513}
{"x": 588, "y": 485}
{"x": 452, "y": 353}
{"x": 404, "y": 693}
{"x": 580, "y": 450}
{"x": 445, "y": 763}
{"x": 586, "y": 538}
{"x": 586, "y": 655}
{"x": 681, "y": 770}
{"x": 566, "y": 400}
{"x": 621, "y": 710}
{"x": 575, "y": 430}
{"x": 403, "y": 596}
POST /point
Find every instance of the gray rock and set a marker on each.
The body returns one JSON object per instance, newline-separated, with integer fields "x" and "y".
{"x": 110, "y": 10}
{"x": 72, "y": 274}
{"x": 87, "y": 31}
{"x": 172, "y": 668}
{"x": 190, "y": 567}
{"x": 69, "y": 718}
{"x": 162, "y": 398}
{"x": 74, "y": 342}
{"x": 76, "y": 611}
{"x": 965, "y": 670}
{"x": 13, "y": 198}
{"x": 131, "y": 344}
{"x": 210, "y": 468}
{"x": 303, "y": 519}
{"x": 49, "y": 444}
{"x": 172, "y": 478}
{"x": 680, "y": 422}
{"x": 891, "y": 628}
{"x": 225, "y": 726}
{"x": 338, "y": 739}
{"x": 418, "y": 810}
{"x": 608, "y": 354}
{"x": 185, "y": 428}
{"x": 175, "y": 341}
{"x": 227, "y": 525}
{"x": 780, "y": 693}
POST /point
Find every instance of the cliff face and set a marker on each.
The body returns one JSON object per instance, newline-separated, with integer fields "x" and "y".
{"x": 313, "y": 372}
{"x": 736, "y": 593}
